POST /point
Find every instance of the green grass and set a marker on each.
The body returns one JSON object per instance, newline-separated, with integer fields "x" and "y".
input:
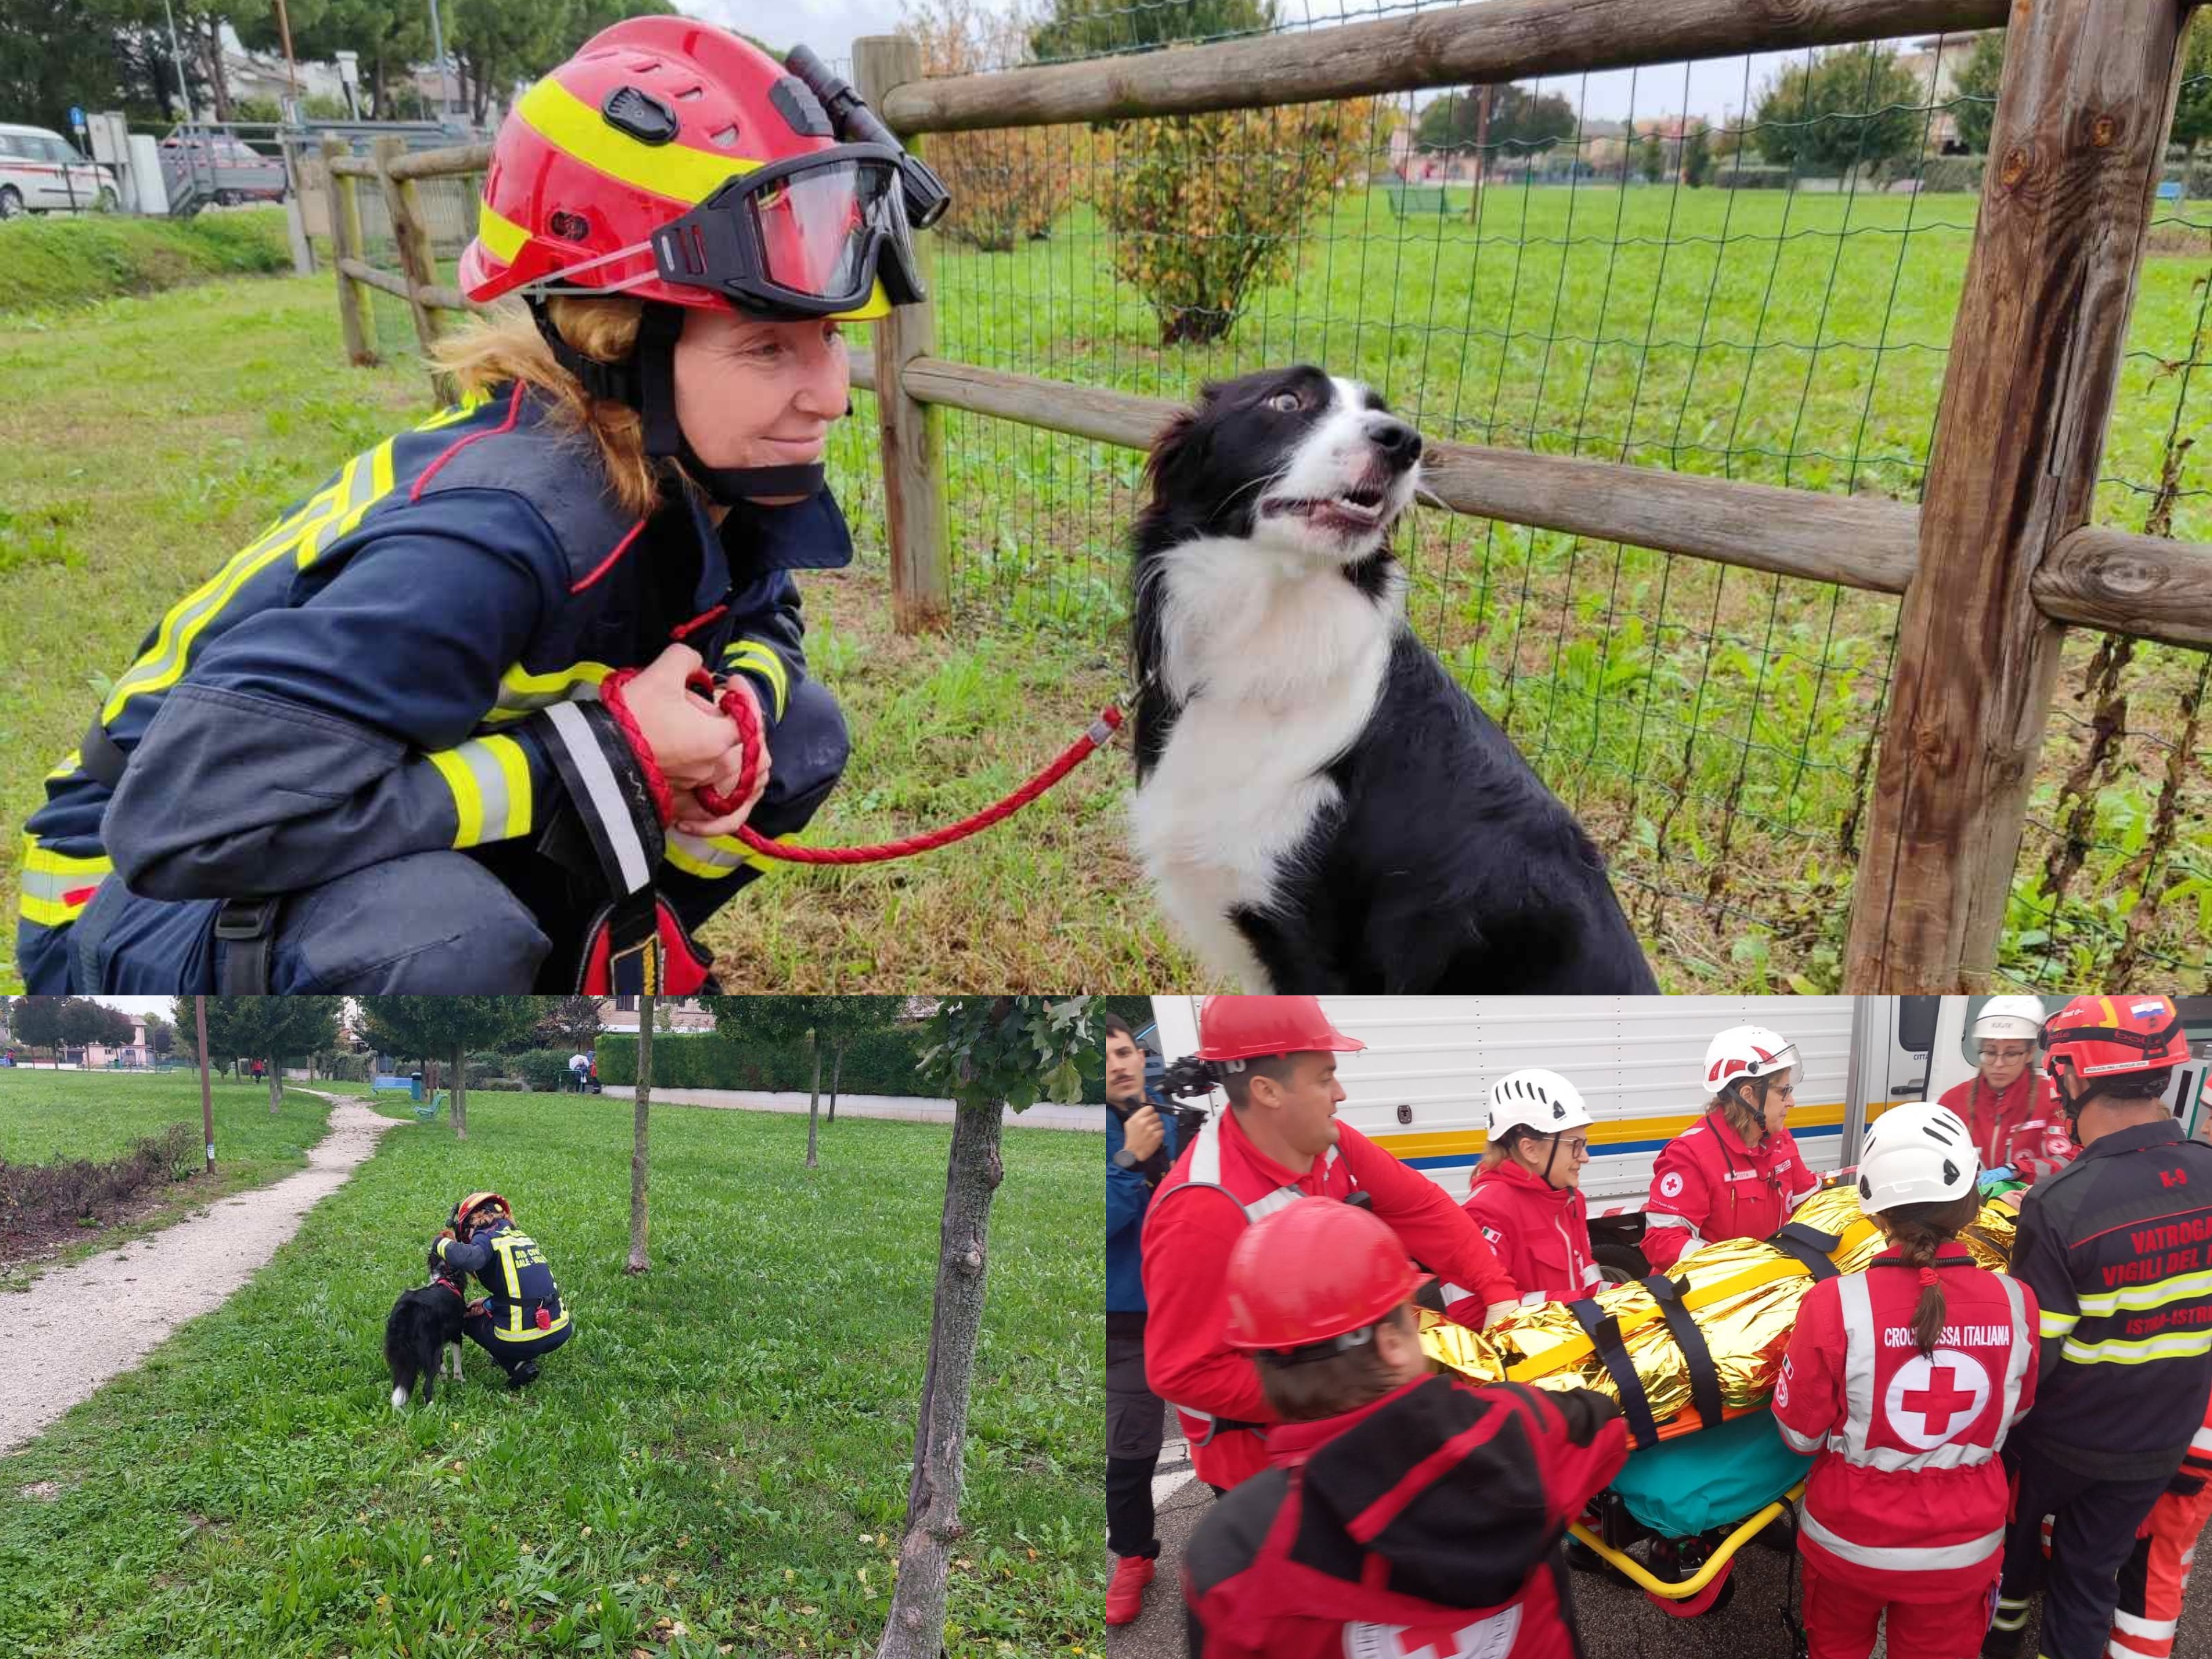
{"x": 722, "y": 1445}
{"x": 57, "y": 266}
{"x": 47, "y": 1115}
{"x": 1713, "y": 726}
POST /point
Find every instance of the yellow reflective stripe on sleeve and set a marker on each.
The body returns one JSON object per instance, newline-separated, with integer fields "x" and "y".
{"x": 489, "y": 779}
{"x": 2055, "y": 1324}
{"x": 755, "y": 654}
{"x": 54, "y": 888}
{"x": 675, "y": 171}
{"x": 2136, "y": 1298}
{"x": 501, "y": 235}
{"x": 470, "y": 402}
{"x": 2138, "y": 1350}
{"x": 714, "y": 857}
{"x": 326, "y": 516}
{"x": 521, "y": 692}
{"x": 70, "y": 762}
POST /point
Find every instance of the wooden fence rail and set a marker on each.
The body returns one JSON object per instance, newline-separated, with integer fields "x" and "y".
{"x": 1997, "y": 556}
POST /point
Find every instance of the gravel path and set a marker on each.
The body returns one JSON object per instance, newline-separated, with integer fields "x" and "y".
{"x": 52, "y": 1355}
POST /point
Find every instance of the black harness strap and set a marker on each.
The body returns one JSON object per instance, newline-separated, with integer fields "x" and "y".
{"x": 1705, "y": 1378}
{"x": 247, "y": 928}
{"x": 1811, "y": 1247}
{"x": 1603, "y": 1330}
{"x": 99, "y": 757}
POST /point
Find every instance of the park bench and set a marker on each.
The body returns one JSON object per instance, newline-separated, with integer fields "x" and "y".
{"x": 426, "y": 1111}
{"x": 1408, "y": 201}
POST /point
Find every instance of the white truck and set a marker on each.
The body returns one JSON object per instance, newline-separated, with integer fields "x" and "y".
{"x": 1421, "y": 1087}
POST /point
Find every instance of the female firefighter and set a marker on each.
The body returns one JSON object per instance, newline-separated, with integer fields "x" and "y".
{"x": 393, "y": 743}
{"x": 520, "y": 1317}
{"x": 1527, "y": 1197}
{"x": 1735, "y": 1173}
{"x": 1903, "y": 1381}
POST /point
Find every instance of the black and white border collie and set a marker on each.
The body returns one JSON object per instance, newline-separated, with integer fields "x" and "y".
{"x": 1319, "y": 806}
{"x": 423, "y": 1336}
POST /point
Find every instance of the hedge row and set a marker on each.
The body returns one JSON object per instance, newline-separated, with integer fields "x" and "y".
{"x": 62, "y": 262}
{"x": 878, "y": 1063}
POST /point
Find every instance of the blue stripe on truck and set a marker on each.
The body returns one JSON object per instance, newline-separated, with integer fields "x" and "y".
{"x": 1451, "y": 1161}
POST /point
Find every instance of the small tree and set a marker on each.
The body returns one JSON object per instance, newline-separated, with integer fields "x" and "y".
{"x": 1651, "y": 158}
{"x": 782, "y": 1020}
{"x": 1697, "y": 158}
{"x": 38, "y": 1022}
{"x": 1205, "y": 207}
{"x": 1091, "y": 28}
{"x": 268, "y": 1029}
{"x": 2192, "y": 112}
{"x": 1849, "y": 107}
{"x": 640, "y": 1152}
{"x": 850, "y": 1019}
{"x": 571, "y": 1023}
{"x": 988, "y": 1053}
{"x": 448, "y": 1027}
{"x": 1974, "y": 104}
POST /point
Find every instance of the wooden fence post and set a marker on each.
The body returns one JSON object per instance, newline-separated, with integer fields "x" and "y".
{"x": 2075, "y": 150}
{"x": 913, "y": 456}
{"x": 354, "y": 317}
{"x": 417, "y": 262}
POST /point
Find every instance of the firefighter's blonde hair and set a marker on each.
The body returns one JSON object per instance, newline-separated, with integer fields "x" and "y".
{"x": 505, "y": 346}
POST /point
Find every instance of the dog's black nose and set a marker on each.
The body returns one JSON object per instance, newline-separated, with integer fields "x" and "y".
{"x": 1400, "y": 444}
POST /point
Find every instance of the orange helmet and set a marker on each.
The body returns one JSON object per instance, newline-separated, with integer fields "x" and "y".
{"x": 475, "y": 1202}
{"x": 672, "y": 161}
{"x": 1245, "y": 1028}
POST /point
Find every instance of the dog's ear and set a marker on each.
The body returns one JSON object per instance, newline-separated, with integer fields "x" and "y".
{"x": 1168, "y": 446}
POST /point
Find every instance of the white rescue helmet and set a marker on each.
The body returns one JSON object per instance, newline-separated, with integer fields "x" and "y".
{"x": 2009, "y": 1019}
{"x": 1916, "y": 1153}
{"x": 1745, "y": 1051}
{"x": 1536, "y": 1099}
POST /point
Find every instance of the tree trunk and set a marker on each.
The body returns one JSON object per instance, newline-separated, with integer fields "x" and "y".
{"x": 460, "y": 1091}
{"x": 275, "y": 1084}
{"x": 916, "y": 1629}
{"x": 814, "y": 1101}
{"x": 218, "y": 77}
{"x": 639, "y": 1157}
{"x": 207, "y": 1094}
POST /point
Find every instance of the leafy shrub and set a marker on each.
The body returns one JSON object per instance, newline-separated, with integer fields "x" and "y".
{"x": 37, "y": 1196}
{"x": 541, "y": 1069}
{"x": 1733, "y": 177}
{"x": 876, "y": 1063}
{"x": 1207, "y": 207}
{"x": 63, "y": 261}
{"x": 346, "y": 1068}
{"x": 1953, "y": 172}
{"x": 500, "y": 1086}
{"x": 1010, "y": 183}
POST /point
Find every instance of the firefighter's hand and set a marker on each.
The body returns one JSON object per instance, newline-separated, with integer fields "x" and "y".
{"x": 447, "y": 1232}
{"x": 692, "y": 815}
{"x": 1142, "y": 1134}
{"x": 690, "y": 738}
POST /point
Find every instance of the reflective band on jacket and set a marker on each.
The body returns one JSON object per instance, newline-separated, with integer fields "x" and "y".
{"x": 489, "y": 778}
{"x": 521, "y": 692}
{"x": 2136, "y": 1299}
{"x": 755, "y": 655}
{"x": 2138, "y": 1351}
{"x": 714, "y": 857}
{"x": 54, "y": 888}
{"x": 2128, "y": 1623}
{"x": 1909, "y": 1558}
{"x": 1656, "y": 1218}
{"x": 2055, "y": 1324}
{"x": 1859, "y": 1348}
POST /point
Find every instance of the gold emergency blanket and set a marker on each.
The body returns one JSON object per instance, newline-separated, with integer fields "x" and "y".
{"x": 1742, "y": 1294}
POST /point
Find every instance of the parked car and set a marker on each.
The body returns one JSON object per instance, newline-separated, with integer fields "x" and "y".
{"x": 41, "y": 172}
{"x": 226, "y": 168}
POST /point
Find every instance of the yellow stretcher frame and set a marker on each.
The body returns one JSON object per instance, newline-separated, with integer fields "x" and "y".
{"x": 1641, "y": 1576}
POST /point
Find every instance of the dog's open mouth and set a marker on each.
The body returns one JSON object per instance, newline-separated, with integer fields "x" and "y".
{"x": 1360, "y": 507}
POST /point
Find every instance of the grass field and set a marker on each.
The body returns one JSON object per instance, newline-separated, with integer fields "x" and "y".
{"x": 46, "y": 1115}
{"x": 1714, "y": 728}
{"x": 716, "y": 1461}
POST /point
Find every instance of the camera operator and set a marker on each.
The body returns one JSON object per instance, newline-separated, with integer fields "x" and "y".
{"x": 1141, "y": 1143}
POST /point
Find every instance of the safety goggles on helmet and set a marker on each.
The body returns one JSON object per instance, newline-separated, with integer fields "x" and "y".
{"x": 806, "y": 236}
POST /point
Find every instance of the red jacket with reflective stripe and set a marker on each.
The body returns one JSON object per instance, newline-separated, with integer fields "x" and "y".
{"x": 1707, "y": 1184}
{"x": 1907, "y": 1497}
{"x": 1540, "y": 1232}
{"x": 1423, "y": 1526}
{"x": 1194, "y": 1222}
{"x": 2023, "y": 1126}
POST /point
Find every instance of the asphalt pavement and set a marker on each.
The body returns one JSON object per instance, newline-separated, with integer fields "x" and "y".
{"x": 1617, "y": 1621}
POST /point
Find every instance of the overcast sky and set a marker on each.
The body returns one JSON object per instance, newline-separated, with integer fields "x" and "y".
{"x": 1714, "y": 88}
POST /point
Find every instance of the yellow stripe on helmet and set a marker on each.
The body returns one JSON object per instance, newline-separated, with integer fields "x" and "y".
{"x": 573, "y": 126}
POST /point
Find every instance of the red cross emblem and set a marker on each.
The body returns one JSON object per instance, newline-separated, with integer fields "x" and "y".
{"x": 1485, "y": 1638}
{"x": 1935, "y": 1396}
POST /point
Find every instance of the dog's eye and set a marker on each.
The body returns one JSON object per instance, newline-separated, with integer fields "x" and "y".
{"x": 1288, "y": 402}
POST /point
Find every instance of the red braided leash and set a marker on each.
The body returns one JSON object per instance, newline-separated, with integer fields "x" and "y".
{"x": 740, "y": 708}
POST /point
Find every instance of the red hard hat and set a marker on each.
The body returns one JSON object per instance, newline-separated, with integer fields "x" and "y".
{"x": 651, "y": 118}
{"x": 1314, "y": 1270}
{"x": 1245, "y": 1028}
{"x": 2108, "y": 1036}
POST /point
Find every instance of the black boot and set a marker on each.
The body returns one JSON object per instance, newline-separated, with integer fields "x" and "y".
{"x": 525, "y": 1373}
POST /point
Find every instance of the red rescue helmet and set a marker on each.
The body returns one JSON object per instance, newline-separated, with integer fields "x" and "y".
{"x": 475, "y": 1202}
{"x": 1245, "y": 1028}
{"x": 2094, "y": 1037}
{"x": 1315, "y": 1270}
{"x": 672, "y": 161}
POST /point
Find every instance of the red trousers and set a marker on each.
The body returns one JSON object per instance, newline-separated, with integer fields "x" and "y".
{"x": 2152, "y": 1581}
{"x": 1840, "y": 1619}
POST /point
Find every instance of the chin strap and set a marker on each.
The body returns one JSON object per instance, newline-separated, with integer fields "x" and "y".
{"x": 648, "y": 384}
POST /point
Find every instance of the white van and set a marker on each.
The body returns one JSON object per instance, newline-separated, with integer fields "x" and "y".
{"x": 41, "y": 172}
{"x": 1421, "y": 1087}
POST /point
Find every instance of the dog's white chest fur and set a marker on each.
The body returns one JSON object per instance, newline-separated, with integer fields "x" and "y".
{"x": 1278, "y": 663}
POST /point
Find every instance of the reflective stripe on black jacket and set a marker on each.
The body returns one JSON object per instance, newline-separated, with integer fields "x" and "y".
{"x": 514, "y": 1272}
{"x": 2117, "y": 1248}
